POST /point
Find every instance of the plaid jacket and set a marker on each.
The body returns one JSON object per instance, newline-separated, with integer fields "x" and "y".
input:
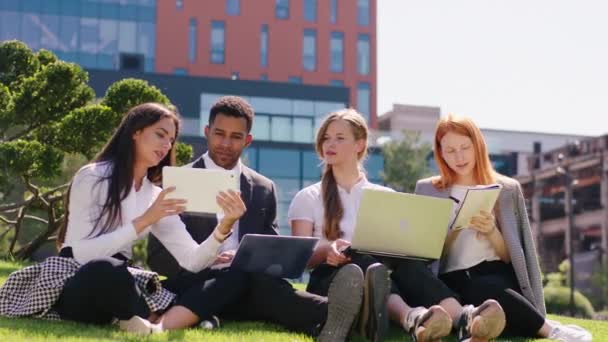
{"x": 32, "y": 291}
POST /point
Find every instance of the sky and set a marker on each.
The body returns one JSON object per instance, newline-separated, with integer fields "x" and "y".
{"x": 527, "y": 65}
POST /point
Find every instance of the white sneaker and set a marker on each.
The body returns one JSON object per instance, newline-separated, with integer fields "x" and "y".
{"x": 569, "y": 333}
{"x": 138, "y": 325}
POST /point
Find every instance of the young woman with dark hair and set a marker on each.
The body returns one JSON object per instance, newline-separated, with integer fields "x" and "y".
{"x": 113, "y": 202}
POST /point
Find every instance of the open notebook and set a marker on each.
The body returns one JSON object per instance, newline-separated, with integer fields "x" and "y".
{"x": 475, "y": 200}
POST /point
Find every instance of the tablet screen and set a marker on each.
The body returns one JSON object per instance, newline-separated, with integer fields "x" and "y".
{"x": 198, "y": 186}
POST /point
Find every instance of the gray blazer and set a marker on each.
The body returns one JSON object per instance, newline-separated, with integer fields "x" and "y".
{"x": 516, "y": 231}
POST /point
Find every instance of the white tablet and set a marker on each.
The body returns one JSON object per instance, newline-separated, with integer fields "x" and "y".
{"x": 198, "y": 186}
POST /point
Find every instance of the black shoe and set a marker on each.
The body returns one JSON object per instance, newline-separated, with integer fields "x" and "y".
{"x": 374, "y": 316}
{"x": 343, "y": 304}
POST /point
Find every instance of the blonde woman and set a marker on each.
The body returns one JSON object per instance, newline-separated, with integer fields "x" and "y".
{"x": 328, "y": 209}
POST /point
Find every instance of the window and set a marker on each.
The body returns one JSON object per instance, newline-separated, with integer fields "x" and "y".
{"x": 336, "y": 47}
{"x": 192, "y": 40}
{"x": 309, "y": 50}
{"x": 180, "y": 71}
{"x": 294, "y": 79}
{"x": 179, "y": 4}
{"x": 363, "y": 99}
{"x": 363, "y": 12}
{"x": 127, "y": 36}
{"x": 271, "y": 105}
{"x": 302, "y": 130}
{"x": 233, "y": 7}
{"x": 146, "y": 38}
{"x": 333, "y": 11}
{"x": 281, "y": 128}
{"x": 261, "y": 127}
{"x": 281, "y": 10}
{"x": 217, "y": 42}
{"x": 310, "y": 10}
{"x": 363, "y": 60}
{"x": 269, "y": 158}
{"x": 264, "y": 46}
{"x": 264, "y": 77}
{"x": 336, "y": 83}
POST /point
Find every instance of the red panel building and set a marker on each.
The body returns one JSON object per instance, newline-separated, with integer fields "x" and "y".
{"x": 317, "y": 42}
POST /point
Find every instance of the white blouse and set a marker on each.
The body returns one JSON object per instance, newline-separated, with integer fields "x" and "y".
{"x": 87, "y": 196}
{"x": 307, "y": 205}
{"x": 467, "y": 249}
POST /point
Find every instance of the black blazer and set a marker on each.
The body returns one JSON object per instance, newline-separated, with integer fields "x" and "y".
{"x": 259, "y": 196}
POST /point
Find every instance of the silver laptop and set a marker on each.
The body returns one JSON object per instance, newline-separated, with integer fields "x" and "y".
{"x": 401, "y": 225}
{"x": 279, "y": 256}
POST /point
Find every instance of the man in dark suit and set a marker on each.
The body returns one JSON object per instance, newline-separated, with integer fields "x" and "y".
{"x": 266, "y": 298}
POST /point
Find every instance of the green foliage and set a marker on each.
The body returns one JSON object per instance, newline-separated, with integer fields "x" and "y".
{"x": 48, "y": 112}
{"x": 405, "y": 162}
{"x": 29, "y": 158}
{"x": 130, "y": 92}
{"x": 17, "y": 62}
{"x": 183, "y": 153}
{"x": 557, "y": 294}
{"x": 557, "y": 299}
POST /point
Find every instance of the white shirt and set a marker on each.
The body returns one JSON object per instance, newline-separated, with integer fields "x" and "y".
{"x": 307, "y": 205}
{"x": 232, "y": 242}
{"x": 87, "y": 196}
{"x": 467, "y": 250}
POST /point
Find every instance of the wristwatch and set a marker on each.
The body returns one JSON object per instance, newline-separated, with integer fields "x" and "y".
{"x": 221, "y": 237}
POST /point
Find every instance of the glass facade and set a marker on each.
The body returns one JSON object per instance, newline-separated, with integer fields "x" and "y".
{"x": 279, "y": 119}
{"x": 309, "y": 50}
{"x": 336, "y": 49}
{"x": 363, "y": 54}
{"x": 93, "y": 33}
{"x": 217, "y": 42}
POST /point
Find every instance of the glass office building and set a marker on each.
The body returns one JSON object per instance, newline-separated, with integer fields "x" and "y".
{"x": 97, "y": 34}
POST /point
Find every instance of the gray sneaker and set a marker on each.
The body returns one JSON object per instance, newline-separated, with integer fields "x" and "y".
{"x": 343, "y": 304}
{"x": 374, "y": 316}
{"x": 481, "y": 323}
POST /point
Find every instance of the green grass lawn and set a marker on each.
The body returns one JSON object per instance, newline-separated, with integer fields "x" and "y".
{"x": 40, "y": 330}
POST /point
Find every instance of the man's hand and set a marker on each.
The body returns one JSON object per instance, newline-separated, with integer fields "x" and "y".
{"x": 225, "y": 257}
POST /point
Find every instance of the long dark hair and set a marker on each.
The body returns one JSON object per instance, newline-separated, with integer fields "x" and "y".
{"x": 119, "y": 153}
{"x": 332, "y": 205}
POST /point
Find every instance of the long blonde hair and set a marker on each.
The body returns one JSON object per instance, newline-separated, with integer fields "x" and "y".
{"x": 484, "y": 172}
{"x": 332, "y": 205}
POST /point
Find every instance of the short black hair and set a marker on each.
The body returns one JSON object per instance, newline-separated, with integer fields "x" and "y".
{"x": 232, "y": 106}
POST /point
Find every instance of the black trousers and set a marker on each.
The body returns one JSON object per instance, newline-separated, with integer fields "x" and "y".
{"x": 497, "y": 280}
{"x": 98, "y": 292}
{"x": 274, "y": 300}
{"x": 413, "y": 280}
{"x": 236, "y": 295}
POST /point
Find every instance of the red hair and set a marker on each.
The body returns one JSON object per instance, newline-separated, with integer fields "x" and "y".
{"x": 483, "y": 172}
